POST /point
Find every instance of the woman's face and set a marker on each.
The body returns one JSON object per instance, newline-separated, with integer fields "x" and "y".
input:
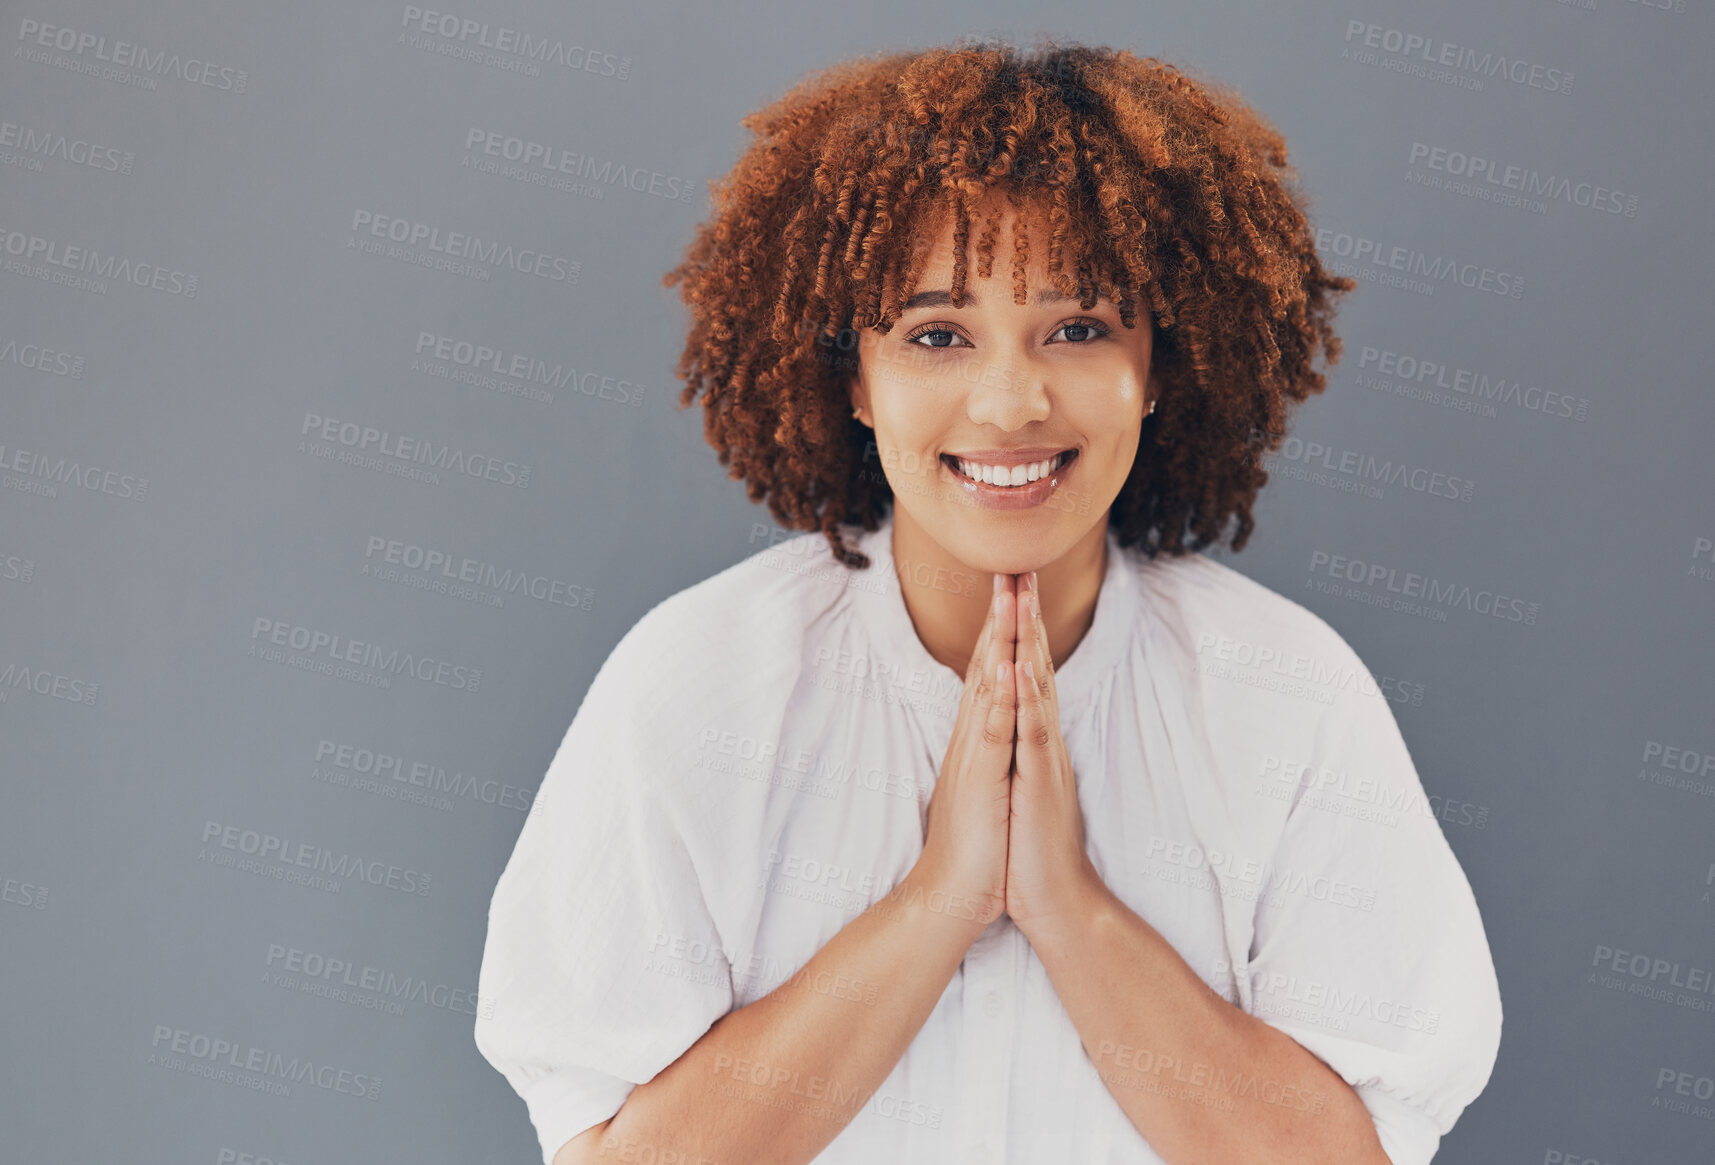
{"x": 1043, "y": 393}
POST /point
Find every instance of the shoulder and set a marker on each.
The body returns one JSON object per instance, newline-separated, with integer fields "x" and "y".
{"x": 723, "y": 654}
{"x": 1220, "y": 602}
{"x": 1290, "y": 708}
{"x": 749, "y": 614}
{"x": 1225, "y": 618}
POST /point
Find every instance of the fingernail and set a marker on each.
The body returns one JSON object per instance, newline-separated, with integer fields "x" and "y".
{"x": 997, "y": 584}
{"x": 1029, "y": 671}
{"x": 1033, "y": 580}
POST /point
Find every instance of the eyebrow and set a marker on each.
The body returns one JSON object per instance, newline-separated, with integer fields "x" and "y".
{"x": 945, "y": 298}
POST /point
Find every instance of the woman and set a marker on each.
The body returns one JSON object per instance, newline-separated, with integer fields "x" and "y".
{"x": 1016, "y": 830}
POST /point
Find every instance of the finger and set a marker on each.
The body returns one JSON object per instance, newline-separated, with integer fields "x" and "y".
{"x": 1000, "y": 719}
{"x": 1000, "y": 617}
{"x": 981, "y": 666}
{"x": 974, "y": 669}
{"x": 1034, "y": 731}
{"x": 1033, "y": 639}
{"x": 1006, "y": 625}
{"x": 984, "y": 692}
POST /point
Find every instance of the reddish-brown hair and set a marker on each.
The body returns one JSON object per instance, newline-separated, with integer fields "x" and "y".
{"x": 1159, "y": 190}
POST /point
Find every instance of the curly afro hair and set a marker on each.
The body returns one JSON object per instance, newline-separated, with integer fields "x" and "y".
{"x": 1161, "y": 190}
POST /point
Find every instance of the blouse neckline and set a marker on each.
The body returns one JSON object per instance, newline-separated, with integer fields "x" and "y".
{"x": 882, "y": 604}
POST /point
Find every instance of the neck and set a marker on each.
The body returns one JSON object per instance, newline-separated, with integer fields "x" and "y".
{"x": 948, "y": 599}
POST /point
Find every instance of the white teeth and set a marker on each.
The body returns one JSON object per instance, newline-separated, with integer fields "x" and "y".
{"x": 1014, "y": 475}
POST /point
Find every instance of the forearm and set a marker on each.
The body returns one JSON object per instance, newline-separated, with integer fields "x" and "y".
{"x": 775, "y": 1081}
{"x": 1202, "y": 1080}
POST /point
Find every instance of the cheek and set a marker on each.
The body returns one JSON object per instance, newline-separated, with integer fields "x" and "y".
{"x": 912, "y": 413}
{"x": 899, "y": 454}
{"x": 1111, "y": 417}
{"x": 1128, "y": 389}
{"x": 1113, "y": 434}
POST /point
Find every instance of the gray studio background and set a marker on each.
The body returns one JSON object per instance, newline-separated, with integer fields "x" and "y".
{"x": 237, "y": 611}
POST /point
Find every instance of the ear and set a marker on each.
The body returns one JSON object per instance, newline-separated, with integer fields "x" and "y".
{"x": 1152, "y": 383}
{"x": 858, "y": 390}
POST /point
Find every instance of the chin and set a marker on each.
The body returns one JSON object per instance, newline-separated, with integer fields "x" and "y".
{"x": 985, "y": 543}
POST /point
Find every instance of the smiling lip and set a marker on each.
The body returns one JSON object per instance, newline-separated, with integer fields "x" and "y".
{"x": 1016, "y": 497}
{"x": 1009, "y": 456}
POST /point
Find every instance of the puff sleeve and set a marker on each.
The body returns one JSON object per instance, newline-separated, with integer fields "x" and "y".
{"x": 602, "y": 962}
{"x": 1368, "y": 946}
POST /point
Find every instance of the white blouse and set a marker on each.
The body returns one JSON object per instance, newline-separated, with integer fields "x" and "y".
{"x": 751, "y": 768}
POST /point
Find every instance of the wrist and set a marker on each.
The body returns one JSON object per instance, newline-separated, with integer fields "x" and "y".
{"x": 1077, "y": 913}
{"x": 934, "y": 887}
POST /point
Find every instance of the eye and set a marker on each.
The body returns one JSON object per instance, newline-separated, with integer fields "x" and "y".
{"x": 1093, "y": 329}
{"x": 1084, "y": 328}
{"x": 932, "y": 330}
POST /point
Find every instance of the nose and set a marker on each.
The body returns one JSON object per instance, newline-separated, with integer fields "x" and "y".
{"x": 1008, "y": 396}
